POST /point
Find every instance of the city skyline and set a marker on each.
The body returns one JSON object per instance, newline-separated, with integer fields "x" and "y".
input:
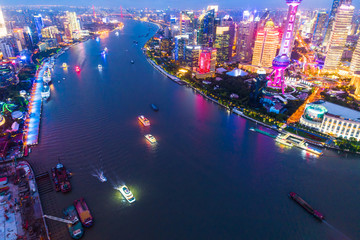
{"x": 255, "y": 4}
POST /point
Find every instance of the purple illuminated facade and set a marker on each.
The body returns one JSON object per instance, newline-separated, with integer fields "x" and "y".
{"x": 282, "y": 61}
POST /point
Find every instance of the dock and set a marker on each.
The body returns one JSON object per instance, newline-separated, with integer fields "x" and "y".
{"x": 32, "y": 123}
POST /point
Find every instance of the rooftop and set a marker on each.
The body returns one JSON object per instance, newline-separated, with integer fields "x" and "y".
{"x": 340, "y": 111}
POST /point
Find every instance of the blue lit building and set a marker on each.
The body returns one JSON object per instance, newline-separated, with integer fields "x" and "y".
{"x": 39, "y": 24}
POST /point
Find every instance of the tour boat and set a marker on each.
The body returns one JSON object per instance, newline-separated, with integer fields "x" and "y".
{"x": 150, "y": 138}
{"x": 84, "y": 213}
{"x": 100, "y": 67}
{"x": 154, "y": 107}
{"x": 75, "y": 228}
{"x": 127, "y": 194}
{"x": 47, "y": 76}
{"x": 45, "y": 93}
{"x": 61, "y": 178}
{"x": 144, "y": 120}
{"x": 306, "y": 206}
{"x": 64, "y": 65}
{"x": 77, "y": 69}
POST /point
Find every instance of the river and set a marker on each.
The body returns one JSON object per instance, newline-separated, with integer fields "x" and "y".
{"x": 208, "y": 177}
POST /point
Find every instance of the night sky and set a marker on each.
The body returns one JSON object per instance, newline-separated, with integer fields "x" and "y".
{"x": 194, "y": 4}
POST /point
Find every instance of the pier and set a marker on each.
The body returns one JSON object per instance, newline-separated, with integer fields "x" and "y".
{"x": 32, "y": 123}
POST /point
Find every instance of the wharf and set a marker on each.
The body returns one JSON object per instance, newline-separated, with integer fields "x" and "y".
{"x": 32, "y": 123}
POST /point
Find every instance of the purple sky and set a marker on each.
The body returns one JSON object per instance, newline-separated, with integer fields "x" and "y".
{"x": 195, "y": 4}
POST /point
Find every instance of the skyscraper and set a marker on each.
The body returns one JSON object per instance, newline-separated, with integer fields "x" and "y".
{"x": 206, "y": 28}
{"x": 180, "y": 44}
{"x": 355, "y": 60}
{"x": 222, "y": 44}
{"x": 266, "y": 44}
{"x": 245, "y": 39}
{"x": 282, "y": 61}
{"x": 192, "y": 54}
{"x": 338, "y": 36}
{"x": 73, "y": 25}
{"x": 39, "y": 24}
{"x": 329, "y": 26}
{"x": 3, "y": 31}
{"x": 319, "y": 28}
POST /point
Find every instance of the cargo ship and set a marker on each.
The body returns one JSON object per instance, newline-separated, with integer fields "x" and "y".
{"x": 84, "y": 213}
{"x": 61, "y": 178}
{"x": 127, "y": 194}
{"x": 306, "y": 206}
{"x": 150, "y": 138}
{"x": 75, "y": 228}
{"x": 144, "y": 120}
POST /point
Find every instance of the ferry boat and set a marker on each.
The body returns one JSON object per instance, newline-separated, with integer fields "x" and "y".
{"x": 154, "y": 107}
{"x": 127, "y": 194}
{"x": 150, "y": 138}
{"x": 64, "y": 65}
{"x": 144, "y": 120}
{"x": 100, "y": 67}
{"x": 306, "y": 147}
{"x": 306, "y": 206}
{"x": 283, "y": 142}
{"x": 61, "y": 178}
{"x": 47, "y": 76}
{"x": 75, "y": 228}
{"x": 84, "y": 213}
{"x": 45, "y": 93}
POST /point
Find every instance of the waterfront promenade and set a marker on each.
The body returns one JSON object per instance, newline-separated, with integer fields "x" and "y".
{"x": 32, "y": 124}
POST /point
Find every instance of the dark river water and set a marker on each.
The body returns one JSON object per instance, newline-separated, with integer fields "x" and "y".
{"x": 208, "y": 177}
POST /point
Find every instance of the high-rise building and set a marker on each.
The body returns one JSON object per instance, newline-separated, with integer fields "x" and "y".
{"x": 329, "y": 26}
{"x": 222, "y": 44}
{"x": 192, "y": 54}
{"x": 186, "y": 23}
{"x": 29, "y": 43}
{"x": 3, "y": 31}
{"x": 73, "y": 25}
{"x": 6, "y": 49}
{"x": 355, "y": 60}
{"x": 266, "y": 44}
{"x": 39, "y": 24}
{"x": 204, "y": 61}
{"x": 319, "y": 28}
{"x": 49, "y": 32}
{"x": 245, "y": 39}
{"x": 180, "y": 44}
{"x": 206, "y": 30}
{"x": 338, "y": 36}
{"x": 207, "y": 63}
{"x": 282, "y": 61}
{"x": 19, "y": 35}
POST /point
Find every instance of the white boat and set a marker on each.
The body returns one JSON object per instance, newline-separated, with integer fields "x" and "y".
{"x": 117, "y": 33}
{"x": 252, "y": 129}
{"x": 47, "y": 76}
{"x": 106, "y": 49}
{"x": 150, "y": 138}
{"x": 283, "y": 142}
{"x": 45, "y": 93}
{"x": 127, "y": 194}
{"x": 144, "y": 120}
{"x": 100, "y": 67}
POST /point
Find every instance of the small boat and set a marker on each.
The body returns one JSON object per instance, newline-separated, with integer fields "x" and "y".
{"x": 144, "y": 120}
{"x": 105, "y": 49}
{"x": 306, "y": 206}
{"x": 127, "y": 194}
{"x": 117, "y": 33}
{"x": 75, "y": 228}
{"x": 100, "y": 67}
{"x": 102, "y": 177}
{"x": 45, "y": 93}
{"x": 64, "y": 65}
{"x": 154, "y": 107}
{"x": 150, "y": 138}
{"x": 84, "y": 213}
{"x": 132, "y": 61}
{"x": 61, "y": 178}
{"x": 47, "y": 77}
{"x": 252, "y": 129}
{"x": 77, "y": 69}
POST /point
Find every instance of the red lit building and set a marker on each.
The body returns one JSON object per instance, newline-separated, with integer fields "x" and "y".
{"x": 204, "y": 62}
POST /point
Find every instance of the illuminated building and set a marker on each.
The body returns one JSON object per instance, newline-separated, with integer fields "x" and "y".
{"x": 207, "y": 63}
{"x": 186, "y": 23}
{"x": 180, "y": 44}
{"x": 282, "y": 61}
{"x": 332, "y": 119}
{"x": 329, "y": 26}
{"x": 228, "y": 22}
{"x": 165, "y": 46}
{"x": 18, "y": 33}
{"x": 266, "y": 44}
{"x": 49, "y": 32}
{"x": 319, "y": 29}
{"x": 222, "y": 44}
{"x": 245, "y": 40}
{"x": 72, "y": 25}
{"x": 338, "y": 37}
{"x": 28, "y": 38}
{"x": 355, "y": 81}
{"x": 6, "y": 49}
{"x": 192, "y": 54}
{"x": 206, "y": 30}
{"x": 39, "y": 24}
{"x": 3, "y": 31}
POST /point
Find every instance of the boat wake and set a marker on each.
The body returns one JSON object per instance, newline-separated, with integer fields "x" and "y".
{"x": 99, "y": 174}
{"x": 340, "y": 234}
